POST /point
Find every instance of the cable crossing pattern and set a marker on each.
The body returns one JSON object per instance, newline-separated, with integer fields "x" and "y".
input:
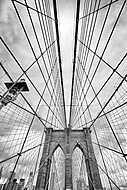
{"x": 34, "y": 91}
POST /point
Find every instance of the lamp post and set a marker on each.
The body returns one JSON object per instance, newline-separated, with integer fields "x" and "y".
{"x": 14, "y": 89}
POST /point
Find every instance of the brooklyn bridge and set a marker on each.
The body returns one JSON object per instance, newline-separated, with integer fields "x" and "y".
{"x": 63, "y": 94}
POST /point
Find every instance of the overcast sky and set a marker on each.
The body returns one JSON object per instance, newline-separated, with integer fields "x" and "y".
{"x": 12, "y": 33}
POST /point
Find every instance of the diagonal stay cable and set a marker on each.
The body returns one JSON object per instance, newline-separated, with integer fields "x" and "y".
{"x": 109, "y": 38}
{"x": 34, "y": 9}
{"x": 117, "y": 107}
{"x": 111, "y": 110}
{"x": 19, "y": 154}
{"x": 120, "y": 84}
{"x": 99, "y": 9}
{"x": 42, "y": 57}
{"x": 109, "y": 178}
{"x": 50, "y": 37}
{"x": 44, "y": 31}
{"x": 100, "y": 35}
{"x": 11, "y": 157}
{"x": 116, "y": 138}
{"x": 50, "y": 29}
{"x": 83, "y": 35}
{"x": 44, "y": 35}
{"x": 105, "y": 82}
{"x": 41, "y": 143}
{"x": 106, "y": 63}
{"x": 24, "y": 70}
{"x": 52, "y": 93}
{"x": 23, "y": 96}
{"x": 114, "y": 166}
{"x": 86, "y": 29}
{"x": 35, "y": 114}
{"x": 113, "y": 150}
{"x": 39, "y": 151}
{"x": 89, "y": 40}
{"x": 91, "y": 32}
{"x": 30, "y": 42}
{"x": 27, "y": 101}
{"x": 25, "y": 73}
{"x": 49, "y": 109}
{"x": 83, "y": 26}
{"x": 96, "y": 135}
{"x": 32, "y": 113}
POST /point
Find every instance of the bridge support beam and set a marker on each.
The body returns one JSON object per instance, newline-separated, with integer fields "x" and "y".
{"x": 68, "y": 161}
{"x": 68, "y": 172}
{"x": 45, "y": 164}
{"x": 91, "y": 163}
{"x": 68, "y": 140}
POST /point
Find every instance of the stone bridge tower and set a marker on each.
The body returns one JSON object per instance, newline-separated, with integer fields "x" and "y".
{"x": 68, "y": 140}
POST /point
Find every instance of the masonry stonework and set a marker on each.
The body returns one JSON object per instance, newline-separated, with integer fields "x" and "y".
{"x": 68, "y": 140}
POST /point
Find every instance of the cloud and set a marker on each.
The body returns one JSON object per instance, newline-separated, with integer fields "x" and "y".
{"x": 11, "y": 31}
{"x": 8, "y": 26}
